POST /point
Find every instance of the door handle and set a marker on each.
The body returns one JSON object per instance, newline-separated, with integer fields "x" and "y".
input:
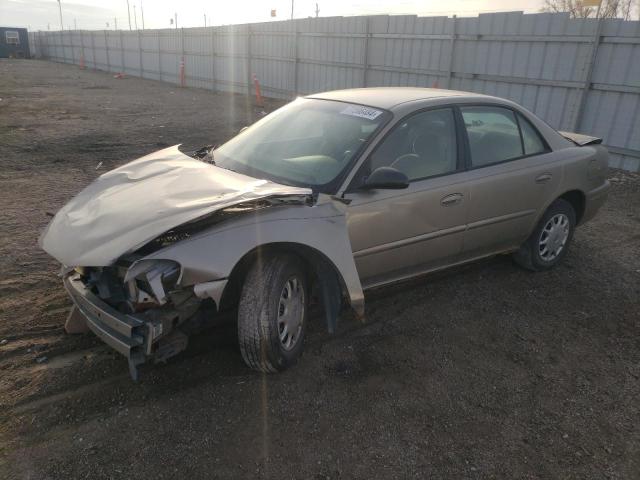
{"x": 452, "y": 199}
{"x": 544, "y": 178}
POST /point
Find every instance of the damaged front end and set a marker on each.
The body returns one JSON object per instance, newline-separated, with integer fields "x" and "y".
{"x": 138, "y": 306}
{"x": 153, "y": 244}
{"x": 135, "y": 310}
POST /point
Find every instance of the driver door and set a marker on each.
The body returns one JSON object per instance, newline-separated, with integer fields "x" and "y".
{"x": 399, "y": 233}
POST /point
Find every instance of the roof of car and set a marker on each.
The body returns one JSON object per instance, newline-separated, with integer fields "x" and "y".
{"x": 389, "y": 97}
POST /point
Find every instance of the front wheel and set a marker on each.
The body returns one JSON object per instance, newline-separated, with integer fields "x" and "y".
{"x": 550, "y": 240}
{"x": 272, "y": 314}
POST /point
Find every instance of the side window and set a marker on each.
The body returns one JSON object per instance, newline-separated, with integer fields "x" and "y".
{"x": 493, "y": 134}
{"x": 424, "y": 145}
{"x": 533, "y": 143}
{"x": 12, "y": 37}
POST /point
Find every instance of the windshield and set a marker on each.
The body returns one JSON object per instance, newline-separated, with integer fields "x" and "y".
{"x": 306, "y": 143}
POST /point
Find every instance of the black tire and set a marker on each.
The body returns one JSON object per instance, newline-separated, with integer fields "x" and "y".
{"x": 529, "y": 255}
{"x": 259, "y": 313}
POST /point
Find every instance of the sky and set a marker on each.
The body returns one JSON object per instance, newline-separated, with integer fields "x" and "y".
{"x": 95, "y": 14}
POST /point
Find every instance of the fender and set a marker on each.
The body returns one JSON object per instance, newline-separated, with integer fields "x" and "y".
{"x": 211, "y": 255}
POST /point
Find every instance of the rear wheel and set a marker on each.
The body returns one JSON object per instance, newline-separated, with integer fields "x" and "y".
{"x": 272, "y": 314}
{"x": 550, "y": 240}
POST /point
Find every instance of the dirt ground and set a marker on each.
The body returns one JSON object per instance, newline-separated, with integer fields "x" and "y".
{"x": 487, "y": 371}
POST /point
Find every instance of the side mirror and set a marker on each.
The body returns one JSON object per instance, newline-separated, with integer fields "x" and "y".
{"x": 386, "y": 178}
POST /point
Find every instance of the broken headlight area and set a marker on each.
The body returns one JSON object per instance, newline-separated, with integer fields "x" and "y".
{"x": 137, "y": 307}
{"x": 133, "y": 287}
{"x": 150, "y": 281}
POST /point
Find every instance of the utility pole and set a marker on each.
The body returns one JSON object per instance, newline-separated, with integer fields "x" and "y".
{"x": 60, "y": 9}
{"x": 292, "y": 9}
{"x": 129, "y": 14}
{"x": 205, "y": 19}
{"x": 75, "y": 24}
{"x": 135, "y": 17}
{"x": 115, "y": 23}
{"x": 48, "y": 26}
{"x": 175, "y": 16}
{"x": 142, "y": 14}
{"x": 317, "y": 10}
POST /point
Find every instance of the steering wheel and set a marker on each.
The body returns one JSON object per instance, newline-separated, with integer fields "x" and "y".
{"x": 403, "y": 161}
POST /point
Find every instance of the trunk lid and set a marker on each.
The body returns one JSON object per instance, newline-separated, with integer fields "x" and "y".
{"x": 580, "y": 139}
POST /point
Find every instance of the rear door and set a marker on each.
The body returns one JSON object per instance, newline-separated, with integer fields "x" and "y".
{"x": 513, "y": 174}
{"x": 398, "y": 233}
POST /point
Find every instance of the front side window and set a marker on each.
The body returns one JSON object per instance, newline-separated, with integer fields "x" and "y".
{"x": 493, "y": 134}
{"x": 12, "y": 37}
{"x": 421, "y": 146}
{"x": 308, "y": 142}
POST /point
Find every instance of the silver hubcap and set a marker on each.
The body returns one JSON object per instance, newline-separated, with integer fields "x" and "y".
{"x": 554, "y": 237}
{"x": 291, "y": 313}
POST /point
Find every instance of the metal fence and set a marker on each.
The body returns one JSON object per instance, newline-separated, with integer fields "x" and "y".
{"x": 577, "y": 74}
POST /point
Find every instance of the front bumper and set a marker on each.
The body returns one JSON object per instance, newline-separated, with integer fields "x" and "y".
{"x": 124, "y": 333}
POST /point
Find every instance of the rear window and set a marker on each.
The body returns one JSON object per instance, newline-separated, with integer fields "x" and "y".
{"x": 533, "y": 143}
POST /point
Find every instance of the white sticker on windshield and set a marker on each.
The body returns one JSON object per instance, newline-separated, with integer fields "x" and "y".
{"x": 360, "y": 111}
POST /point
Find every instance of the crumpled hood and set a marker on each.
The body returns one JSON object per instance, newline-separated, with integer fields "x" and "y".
{"x": 133, "y": 204}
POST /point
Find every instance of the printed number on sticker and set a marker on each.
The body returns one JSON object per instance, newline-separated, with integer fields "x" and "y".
{"x": 360, "y": 111}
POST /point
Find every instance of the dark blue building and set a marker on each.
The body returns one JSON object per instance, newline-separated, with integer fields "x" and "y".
{"x": 14, "y": 42}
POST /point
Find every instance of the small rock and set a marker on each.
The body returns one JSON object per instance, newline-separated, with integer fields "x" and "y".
{"x": 4, "y": 342}
{"x": 41, "y": 359}
{"x": 565, "y": 435}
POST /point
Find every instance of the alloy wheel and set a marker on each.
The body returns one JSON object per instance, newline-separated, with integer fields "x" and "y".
{"x": 291, "y": 312}
{"x": 553, "y": 237}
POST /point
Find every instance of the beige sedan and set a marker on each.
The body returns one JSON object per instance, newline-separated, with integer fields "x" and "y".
{"x": 328, "y": 196}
